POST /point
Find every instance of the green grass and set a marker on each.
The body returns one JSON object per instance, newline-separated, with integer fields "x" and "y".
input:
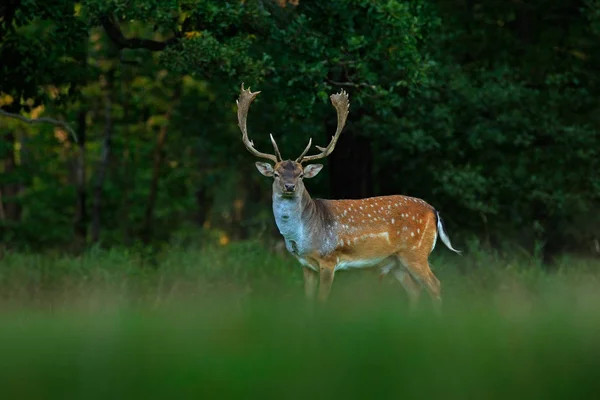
{"x": 231, "y": 322}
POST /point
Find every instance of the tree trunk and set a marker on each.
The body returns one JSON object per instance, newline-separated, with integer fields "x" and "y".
{"x": 203, "y": 202}
{"x": 158, "y": 161}
{"x": 350, "y": 164}
{"x": 81, "y": 214}
{"x": 554, "y": 244}
{"x": 127, "y": 166}
{"x": 10, "y": 190}
{"x": 103, "y": 165}
{"x": 81, "y": 217}
{"x": 2, "y": 212}
{"x": 129, "y": 175}
{"x": 550, "y": 236}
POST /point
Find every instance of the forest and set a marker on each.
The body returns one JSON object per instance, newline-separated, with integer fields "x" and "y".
{"x": 139, "y": 255}
{"x": 487, "y": 110}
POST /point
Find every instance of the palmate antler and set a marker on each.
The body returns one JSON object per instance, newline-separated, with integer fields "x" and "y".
{"x": 340, "y": 102}
{"x": 342, "y": 105}
{"x": 243, "y": 104}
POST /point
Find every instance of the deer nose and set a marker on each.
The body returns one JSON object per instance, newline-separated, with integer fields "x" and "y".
{"x": 290, "y": 187}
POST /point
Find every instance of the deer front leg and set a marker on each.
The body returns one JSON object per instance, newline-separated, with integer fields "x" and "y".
{"x": 326, "y": 275}
{"x": 310, "y": 283}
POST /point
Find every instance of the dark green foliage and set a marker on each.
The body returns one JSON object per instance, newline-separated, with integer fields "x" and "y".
{"x": 486, "y": 110}
{"x": 40, "y": 44}
{"x": 516, "y": 120}
{"x": 174, "y": 284}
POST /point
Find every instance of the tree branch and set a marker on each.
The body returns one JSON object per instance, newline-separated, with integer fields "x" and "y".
{"x": 123, "y": 61}
{"x": 45, "y": 120}
{"x": 114, "y": 33}
{"x": 350, "y": 84}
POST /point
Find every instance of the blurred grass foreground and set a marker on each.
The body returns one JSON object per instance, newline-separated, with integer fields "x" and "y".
{"x": 231, "y": 322}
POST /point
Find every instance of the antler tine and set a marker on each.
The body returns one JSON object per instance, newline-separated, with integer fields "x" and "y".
{"x": 243, "y": 105}
{"x": 275, "y": 147}
{"x": 299, "y": 159}
{"x": 342, "y": 105}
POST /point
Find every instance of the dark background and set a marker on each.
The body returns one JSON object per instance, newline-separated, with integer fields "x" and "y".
{"x": 487, "y": 110}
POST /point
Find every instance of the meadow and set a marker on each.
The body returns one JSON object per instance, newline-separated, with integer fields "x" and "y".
{"x": 231, "y": 322}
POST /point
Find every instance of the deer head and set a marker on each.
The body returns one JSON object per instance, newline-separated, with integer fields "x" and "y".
{"x": 288, "y": 175}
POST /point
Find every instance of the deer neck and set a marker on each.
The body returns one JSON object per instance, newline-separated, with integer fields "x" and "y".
{"x": 301, "y": 222}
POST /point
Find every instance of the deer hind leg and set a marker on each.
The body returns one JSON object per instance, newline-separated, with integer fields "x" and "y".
{"x": 413, "y": 290}
{"x": 420, "y": 270}
{"x": 386, "y": 266}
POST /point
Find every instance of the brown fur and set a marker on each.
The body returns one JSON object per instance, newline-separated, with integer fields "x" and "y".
{"x": 396, "y": 233}
{"x": 397, "y": 230}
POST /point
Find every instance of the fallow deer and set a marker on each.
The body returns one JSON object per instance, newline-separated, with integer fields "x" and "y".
{"x": 394, "y": 233}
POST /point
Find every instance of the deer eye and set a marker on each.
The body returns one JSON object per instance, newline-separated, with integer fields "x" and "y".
{"x": 301, "y": 176}
{"x": 276, "y": 175}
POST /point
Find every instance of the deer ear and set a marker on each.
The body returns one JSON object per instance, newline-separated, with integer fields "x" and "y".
{"x": 310, "y": 171}
{"x": 264, "y": 168}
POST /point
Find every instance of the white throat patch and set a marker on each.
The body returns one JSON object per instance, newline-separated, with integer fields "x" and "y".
{"x": 288, "y": 217}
